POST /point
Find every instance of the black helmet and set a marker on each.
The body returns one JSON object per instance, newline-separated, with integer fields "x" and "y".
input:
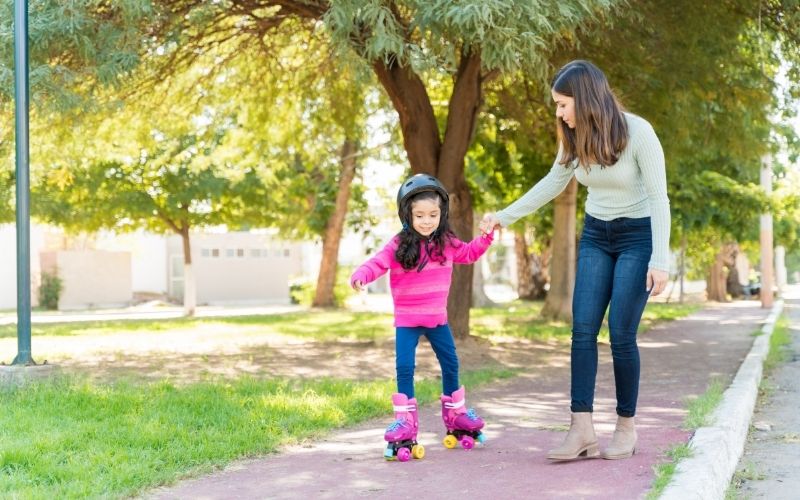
{"x": 418, "y": 184}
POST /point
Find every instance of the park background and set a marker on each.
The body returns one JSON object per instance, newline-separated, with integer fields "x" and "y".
{"x": 234, "y": 154}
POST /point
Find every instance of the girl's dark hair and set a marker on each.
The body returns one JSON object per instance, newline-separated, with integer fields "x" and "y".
{"x": 408, "y": 248}
{"x": 601, "y": 132}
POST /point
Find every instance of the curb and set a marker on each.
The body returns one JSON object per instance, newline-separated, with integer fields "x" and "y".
{"x": 716, "y": 449}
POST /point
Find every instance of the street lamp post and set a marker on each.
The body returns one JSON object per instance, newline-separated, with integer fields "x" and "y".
{"x": 23, "y": 184}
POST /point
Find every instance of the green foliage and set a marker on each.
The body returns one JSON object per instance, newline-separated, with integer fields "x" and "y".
{"x": 72, "y": 438}
{"x": 302, "y": 292}
{"x": 50, "y": 290}
{"x": 432, "y": 35}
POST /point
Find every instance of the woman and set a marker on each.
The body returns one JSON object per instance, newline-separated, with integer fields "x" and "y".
{"x": 624, "y": 247}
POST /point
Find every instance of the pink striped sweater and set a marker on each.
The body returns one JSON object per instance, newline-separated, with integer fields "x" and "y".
{"x": 420, "y": 298}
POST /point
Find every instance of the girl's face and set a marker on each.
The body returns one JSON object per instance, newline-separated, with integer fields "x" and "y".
{"x": 425, "y": 215}
{"x": 565, "y": 108}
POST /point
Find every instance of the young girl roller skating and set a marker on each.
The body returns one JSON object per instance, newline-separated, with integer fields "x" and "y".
{"x": 420, "y": 261}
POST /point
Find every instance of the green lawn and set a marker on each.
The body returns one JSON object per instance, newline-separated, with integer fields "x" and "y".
{"x": 518, "y": 319}
{"x": 71, "y": 438}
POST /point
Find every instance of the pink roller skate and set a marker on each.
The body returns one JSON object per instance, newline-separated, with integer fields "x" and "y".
{"x": 401, "y": 435}
{"x": 463, "y": 425}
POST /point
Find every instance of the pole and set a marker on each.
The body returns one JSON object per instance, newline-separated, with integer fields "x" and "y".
{"x": 766, "y": 239}
{"x": 22, "y": 106}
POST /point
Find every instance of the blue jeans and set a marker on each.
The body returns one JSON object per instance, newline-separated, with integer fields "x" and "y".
{"x": 612, "y": 269}
{"x": 441, "y": 340}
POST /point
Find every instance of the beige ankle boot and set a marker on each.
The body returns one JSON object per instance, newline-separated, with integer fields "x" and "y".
{"x": 623, "y": 444}
{"x": 580, "y": 440}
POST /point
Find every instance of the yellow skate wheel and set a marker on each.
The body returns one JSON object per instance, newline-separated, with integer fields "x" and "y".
{"x": 418, "y": 451}
{"x": 450, "y": 441}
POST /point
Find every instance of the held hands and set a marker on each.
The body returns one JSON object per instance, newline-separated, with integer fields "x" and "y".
{"x": 656, "y": 281}
{"x": 358, "y": 285}
{"x": 489, "y": 223}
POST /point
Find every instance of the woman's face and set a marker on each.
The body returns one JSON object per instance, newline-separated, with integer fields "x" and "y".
{"x": 565, "y": 108}
{"x": 425, "y": 215}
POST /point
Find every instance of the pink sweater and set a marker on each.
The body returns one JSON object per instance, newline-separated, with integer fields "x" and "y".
{"x": 420, "y": 298}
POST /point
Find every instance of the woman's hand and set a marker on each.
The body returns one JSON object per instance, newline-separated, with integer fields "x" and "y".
{"x": 489, "y": 223}
{"x": 358, "y": 285}
{"x": 656, "y": 281}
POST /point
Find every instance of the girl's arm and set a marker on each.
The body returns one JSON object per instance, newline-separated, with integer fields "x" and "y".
{"x": 467, "y": 253}
{"x": 376, "y": 266}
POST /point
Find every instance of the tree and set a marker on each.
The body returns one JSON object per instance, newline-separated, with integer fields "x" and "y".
{"x": 405, "y": 44}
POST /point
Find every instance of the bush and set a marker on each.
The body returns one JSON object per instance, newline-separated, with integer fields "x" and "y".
{"x": 302, "y": 291}
{"x": 50, "y": 290}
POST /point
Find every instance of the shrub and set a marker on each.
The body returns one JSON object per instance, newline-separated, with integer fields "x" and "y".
{"x": 50, "y": 290}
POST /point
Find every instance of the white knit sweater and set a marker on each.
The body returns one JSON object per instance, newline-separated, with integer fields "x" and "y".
{"x": 635, "y": 186}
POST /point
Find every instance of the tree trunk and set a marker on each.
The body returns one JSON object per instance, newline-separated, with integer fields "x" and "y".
{"x": 323, "y": 297}
{"x": 479, "y": 297}
{"x": 189, "y": 286}
{"x": 524, "y": 266}
{"x": 558, "y": 304}
{"x": 427, "y": 153}
{"x": 532, "y": 273}
{"x": 715, "y": 286}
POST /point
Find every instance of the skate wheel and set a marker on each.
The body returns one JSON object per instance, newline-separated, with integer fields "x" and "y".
{"x": 404, "y": 454}
{"x": 450, "y": 441}
{"x": 418, "y": 451}
{"x": 467, "y": 442}
{"x": 481, "y": 438}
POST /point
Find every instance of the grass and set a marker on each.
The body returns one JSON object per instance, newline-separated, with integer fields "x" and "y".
{"x": 699, "y": 413}
{"x": 318, "y": 325}
{"x": 700, "y": 408}
{"x": 71, "y": 438}
{"x": 780, "y": 338}
{"x": 664, "y": 471}
{"x": 520, "y": 319}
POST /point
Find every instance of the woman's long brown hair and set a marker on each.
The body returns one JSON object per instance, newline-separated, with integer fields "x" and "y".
{"x": 601, "y": 133}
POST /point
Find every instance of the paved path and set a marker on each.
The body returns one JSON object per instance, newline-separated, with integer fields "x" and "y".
{"x": 526, "y": 416}
{"x": 772, "y": 453}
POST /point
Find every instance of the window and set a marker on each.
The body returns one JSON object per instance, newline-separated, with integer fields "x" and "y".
{"x": 286, "y": 252}
{"x": 239, "y": 253}
{"x": 206, "y": 252}
{"x": 229, "y": 252}
{"x": 215, "y": 252}
{"x": 255, "y": 253}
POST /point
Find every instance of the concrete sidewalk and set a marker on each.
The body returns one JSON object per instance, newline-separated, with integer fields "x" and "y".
{"x": 525, "y": 417}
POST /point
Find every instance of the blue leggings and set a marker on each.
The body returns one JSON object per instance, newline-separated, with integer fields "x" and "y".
{"x": 441, "y": 340}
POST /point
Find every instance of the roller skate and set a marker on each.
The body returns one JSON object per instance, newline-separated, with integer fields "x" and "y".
{"x": 463, "y": 425}
{"x": 401, "y": 435}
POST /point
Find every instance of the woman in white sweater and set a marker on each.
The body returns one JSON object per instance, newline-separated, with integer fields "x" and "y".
{"x": 624, "y": 247}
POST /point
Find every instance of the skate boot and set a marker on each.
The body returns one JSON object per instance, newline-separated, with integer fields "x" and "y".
{"x": 401, "y": 435}
{"x": 462, "y": 425}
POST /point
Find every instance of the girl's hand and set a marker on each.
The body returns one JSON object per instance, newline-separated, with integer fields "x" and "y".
{"x": 358, "y": 286}
{"x": 656, "y": 281}
{"x": 489, "y": 223}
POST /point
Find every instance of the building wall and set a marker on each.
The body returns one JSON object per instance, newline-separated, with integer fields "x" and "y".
{"x": 236, "y": 267}
{"x": 91, "y": 278}
{"x": 8, "y": 264}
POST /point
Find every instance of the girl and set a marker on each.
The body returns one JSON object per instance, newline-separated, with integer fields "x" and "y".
{"x": 420, "y": 261}
{"x": 624, "y": 247}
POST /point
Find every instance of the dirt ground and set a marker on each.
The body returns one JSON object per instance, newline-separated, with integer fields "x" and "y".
{"x": 197, "y": 353}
